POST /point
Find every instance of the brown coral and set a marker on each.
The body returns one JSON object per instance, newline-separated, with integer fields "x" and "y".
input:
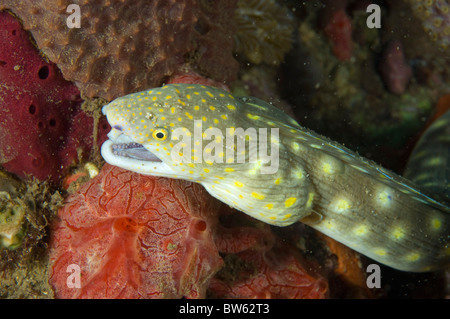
{"x": 264, "y": 31}
{"x": 435, "y": 19}
{"x": 127, "y": 46}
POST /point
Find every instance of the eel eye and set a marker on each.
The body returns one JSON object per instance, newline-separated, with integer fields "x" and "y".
{"x": 160, "y": 134}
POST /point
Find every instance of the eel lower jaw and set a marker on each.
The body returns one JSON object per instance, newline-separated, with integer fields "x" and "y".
{"x": 122, "y": 151}
{"x": 135, "y": 151}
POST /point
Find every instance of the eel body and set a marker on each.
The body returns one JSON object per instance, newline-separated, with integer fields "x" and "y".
{"x": 255, "y": 158}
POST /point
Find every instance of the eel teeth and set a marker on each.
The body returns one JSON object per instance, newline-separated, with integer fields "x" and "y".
{"x": 126, "y": 146}
{"x": 135, "y": 151}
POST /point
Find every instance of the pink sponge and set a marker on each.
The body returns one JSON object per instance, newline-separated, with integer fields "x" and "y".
{"x": 394, "y": 68}
{"x": 36, "y": 108}
{"x": 339, "y": 30}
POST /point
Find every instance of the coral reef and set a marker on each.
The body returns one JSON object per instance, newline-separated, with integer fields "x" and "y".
{"x": 42, "y": 127}
{"x": 135, "y": 236}
{"x": 350, "y": 102}
{"x": 12, "y": 217}
{"x": 339, "y": 75}
{"x": 264, "y": 31}
{"x": 13, "y": 211}
{"x": 435, "y": 19}
{"x": 23, "y": 270}
{"x": 348, "y": 277}
{"x": 79, "y": 175}
{"x": 194, "y": 78}
{"x": 128, "y": 46}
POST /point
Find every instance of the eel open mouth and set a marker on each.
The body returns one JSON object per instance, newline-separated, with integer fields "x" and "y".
{"x": 135, "y": 151}
{"x": 122, "y": 151}
{"x": 122, "y": 146}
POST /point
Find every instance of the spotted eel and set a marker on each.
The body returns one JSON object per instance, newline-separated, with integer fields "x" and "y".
{"x": 255, "y": 158}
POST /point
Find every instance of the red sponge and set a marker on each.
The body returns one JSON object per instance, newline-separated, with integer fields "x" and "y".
{"x": 135, "y": 236}
{"x": 37, "y": 106}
